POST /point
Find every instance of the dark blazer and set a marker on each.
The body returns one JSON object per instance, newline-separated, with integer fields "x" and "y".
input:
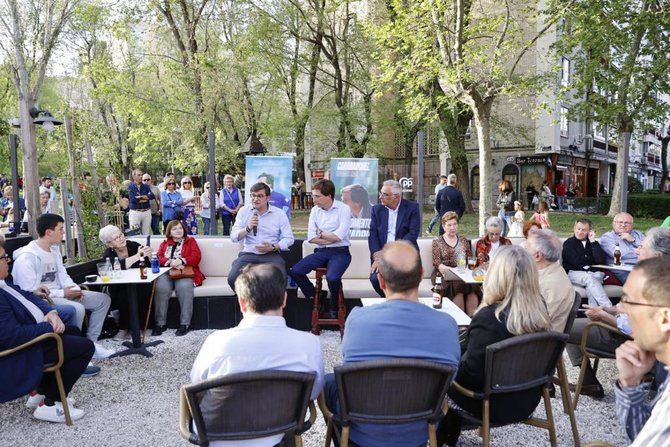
{"x": 450, "y": 199}
{"x": 133, "y": 248}
{"x": 22, "y": 371}
{"x": 407, "y": 227}
{"x": 576, "y": 256}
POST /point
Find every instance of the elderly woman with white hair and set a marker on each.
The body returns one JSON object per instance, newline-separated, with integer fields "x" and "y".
{"x": 129, "y": 254}
{"x": 488, "y": 245}
{"x": 656, "y": 243}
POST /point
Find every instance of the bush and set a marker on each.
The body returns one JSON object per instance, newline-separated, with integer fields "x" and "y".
{"x": 656, "y": 206}
{"x": 634, "y": 185}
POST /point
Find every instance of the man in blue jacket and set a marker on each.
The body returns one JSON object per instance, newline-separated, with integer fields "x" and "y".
{"x": 449, "y": 199}
{"x": 23, "y": 317}
{"x": 393, "y": 220}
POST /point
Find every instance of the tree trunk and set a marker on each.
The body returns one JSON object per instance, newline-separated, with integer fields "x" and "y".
{"x": 76, "y": 193}
{"x": 664, "y": 160}
{"x": 31, "y": 178}
{"x": 454, "y": 122}
{"x": 620, "y": 190}
{"x": 482, "y": 116}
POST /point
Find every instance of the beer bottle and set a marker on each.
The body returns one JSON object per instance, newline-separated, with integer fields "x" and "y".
{"x": 617, "y": 255}
{"x": 437, "y": 293}
{"x": 143, "y": 269}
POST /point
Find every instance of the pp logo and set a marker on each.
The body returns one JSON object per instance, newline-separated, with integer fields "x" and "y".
{"x": 406, "y": 184}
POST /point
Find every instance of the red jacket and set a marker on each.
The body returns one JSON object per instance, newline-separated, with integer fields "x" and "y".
{"x": 561, "y": 189}
{"x": 190, "y": 252}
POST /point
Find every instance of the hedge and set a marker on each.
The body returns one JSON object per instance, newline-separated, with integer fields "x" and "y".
{"x": 656, "y": 206}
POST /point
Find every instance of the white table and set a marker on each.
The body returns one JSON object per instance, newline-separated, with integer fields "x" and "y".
{"x": 465, "y": 276}
{"x": 130, "y": 279}
{"x": 622, "y": 267}
{"x": 448, "y": 307}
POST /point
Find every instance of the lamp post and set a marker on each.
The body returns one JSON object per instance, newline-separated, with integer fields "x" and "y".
{"x": 42, "y": 118}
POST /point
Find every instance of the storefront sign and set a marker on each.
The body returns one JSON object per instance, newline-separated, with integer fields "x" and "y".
{"x": 531, "y": 160}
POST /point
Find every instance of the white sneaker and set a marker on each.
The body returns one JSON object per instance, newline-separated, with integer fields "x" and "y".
{"x": 34, "y": 400}
{"x": 101, "y": 352}
{"x": 55, "y": 413}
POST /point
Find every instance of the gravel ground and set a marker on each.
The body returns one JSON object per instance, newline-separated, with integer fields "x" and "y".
{"x": 134, "y": 402}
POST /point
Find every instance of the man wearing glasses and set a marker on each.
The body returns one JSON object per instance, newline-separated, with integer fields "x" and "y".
{"x": 139, "y": 195}
{"x": 646, "y": 300}
{"x": 264, "y": 230}
{"x": 155, "y": 204}
{"x": 625, "y": 236}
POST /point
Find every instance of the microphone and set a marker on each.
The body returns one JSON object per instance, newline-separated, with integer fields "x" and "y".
{"x": 254, "y": 229}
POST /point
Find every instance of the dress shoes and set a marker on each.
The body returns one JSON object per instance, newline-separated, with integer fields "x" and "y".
{"x": 183, "y": 330}
{"x": 157, "y": 331}
{"x": 594, "y": 390}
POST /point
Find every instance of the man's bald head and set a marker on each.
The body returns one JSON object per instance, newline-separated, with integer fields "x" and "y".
{"x": 623, "y": 223}
{"x": 400, "y": 267}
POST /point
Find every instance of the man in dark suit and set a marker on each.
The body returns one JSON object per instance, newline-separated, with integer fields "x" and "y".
{"x": 392, "y": 220}
{"x": 450, "y": 199}
{"x": 23, "y": 317}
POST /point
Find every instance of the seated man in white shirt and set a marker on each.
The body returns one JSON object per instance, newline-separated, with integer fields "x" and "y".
{"x": 261, "y": 341}
{"x": 39, "y": 265}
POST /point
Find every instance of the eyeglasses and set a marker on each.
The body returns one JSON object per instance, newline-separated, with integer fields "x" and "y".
{"x": 118, "y": 237}
{"x": 146, "y": 179}
{"x": 623, "y": 224}
{"x": 186, "y": 183}
{"x": 258, "y": 196}
{"x": 6, "y": 257}
{"x": 171, "y": 183}
{"x": 626, "y": 301}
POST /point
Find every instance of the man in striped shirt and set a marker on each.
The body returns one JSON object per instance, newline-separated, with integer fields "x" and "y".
{"x": 646, "y": 300}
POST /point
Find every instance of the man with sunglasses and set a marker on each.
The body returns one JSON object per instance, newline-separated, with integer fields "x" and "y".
{"x": 264, "y": 230}
{"x": 646, "y": 300}
{"x": 627, "y": 238}
{"x": 139, "y": 195}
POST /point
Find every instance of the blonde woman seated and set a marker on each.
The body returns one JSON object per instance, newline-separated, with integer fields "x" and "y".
{"x": 447, "y": 248}
{"x": 512, "y": 305}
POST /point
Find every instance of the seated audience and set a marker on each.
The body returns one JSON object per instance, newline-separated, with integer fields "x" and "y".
{"x": 646, "y": 300}
{"x": 261, "y": 341}
{"x": 488, "y": 245}
{"x": 555, "y": 286}
{"x": 264, "y": 230}
{"x": 397, "y": 328}
{"x": 23, "y": 317}
{"x": 580, "y": 252}
{"x": 392, "y": 220}
{"x": 512, "y": 305}
{"x": 129, "y": 254}
{"x": 626, "y": 237}
{"x": 40, "y": 263}
{"x": 178, "y": 251}
{"x": 447, "y": 248}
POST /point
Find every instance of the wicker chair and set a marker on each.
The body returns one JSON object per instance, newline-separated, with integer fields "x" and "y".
{"x": 247, "y": 406}
{"x": 389, "y": 391}
{"x": 519, "y": 363}
{"x": 49, "y": 368}
{"x": 589, "y": 352}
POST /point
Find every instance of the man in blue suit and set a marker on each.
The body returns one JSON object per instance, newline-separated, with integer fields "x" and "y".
{"x": 392, "y": 220}
{"x": 23, "y": 317}
{"x": 449, "y": 199}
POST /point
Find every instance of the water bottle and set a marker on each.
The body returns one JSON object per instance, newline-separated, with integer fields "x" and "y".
{"x": 117, "y": 268}
{"x": 108, "y": 267}
{"x": 155, "y": 268}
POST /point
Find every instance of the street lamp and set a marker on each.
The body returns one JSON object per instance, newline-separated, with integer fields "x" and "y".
{"x": 42, "y": 118}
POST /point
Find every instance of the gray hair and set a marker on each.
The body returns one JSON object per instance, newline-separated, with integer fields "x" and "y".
{"x": 396, "y": 189}
{"x": 546, "y": 242}
{"x": 262, "y": 286}
{"x": 495, "y": 222}
{"x": 451, "y": 179}
{"x": 107, "y": 233}
{"x": 659, "y": 240}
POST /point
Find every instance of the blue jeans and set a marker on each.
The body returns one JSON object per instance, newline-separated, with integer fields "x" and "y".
{"x": 67, "y": 314}
{"x": 435, "y": 219}
{"x": 155, "y": 224}
{"x": 205, "y": 225}
{"x": 335, "y": 259}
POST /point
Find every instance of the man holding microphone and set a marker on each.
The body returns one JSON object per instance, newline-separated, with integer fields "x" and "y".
{"x": 264, "y": 230}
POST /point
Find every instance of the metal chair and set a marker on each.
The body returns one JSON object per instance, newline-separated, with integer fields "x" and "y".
{"x": 589, "y": 352}
{"x": 49, "y": 368}
{"x": 517, "y": 364}
{"x": 247, "y": 405}
{"x": 317, "y": 321}
{"x": 389, "y": 391}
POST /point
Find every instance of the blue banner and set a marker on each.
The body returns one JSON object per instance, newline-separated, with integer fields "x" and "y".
{"x": 276, "y": 172}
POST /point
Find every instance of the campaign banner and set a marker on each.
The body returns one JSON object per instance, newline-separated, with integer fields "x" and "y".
{"x": 356, "y": 184}
{"x": 274, "y": 171}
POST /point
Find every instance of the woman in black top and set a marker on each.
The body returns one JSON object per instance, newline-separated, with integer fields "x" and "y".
{"x": 129, "y": 254}
{"x": 512, "y": 305}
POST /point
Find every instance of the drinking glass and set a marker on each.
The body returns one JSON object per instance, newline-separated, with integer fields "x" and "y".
{"x": 472, "y": 262}
{"x": 460, "y": 263}
{"x": 103, "y": 271}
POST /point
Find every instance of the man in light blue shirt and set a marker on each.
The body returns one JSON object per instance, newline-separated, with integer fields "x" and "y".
{"x": 627, "y": 238}
{"x": 260, "y": 342}
{"x": 401, "y": 327}
{"x": 264, "y": 230}
{"x": 439, "y": 187}
{"x": 328, "y": 228}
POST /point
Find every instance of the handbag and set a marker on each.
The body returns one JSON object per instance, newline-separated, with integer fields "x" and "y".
{"x": 186, "y": 272}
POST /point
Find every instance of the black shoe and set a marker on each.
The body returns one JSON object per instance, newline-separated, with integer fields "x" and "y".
{"x": 552, "y": 390}
{"x": 183, "y": 330}
{"x": 594, "y": 390}
{"x": 157, "y": 331}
